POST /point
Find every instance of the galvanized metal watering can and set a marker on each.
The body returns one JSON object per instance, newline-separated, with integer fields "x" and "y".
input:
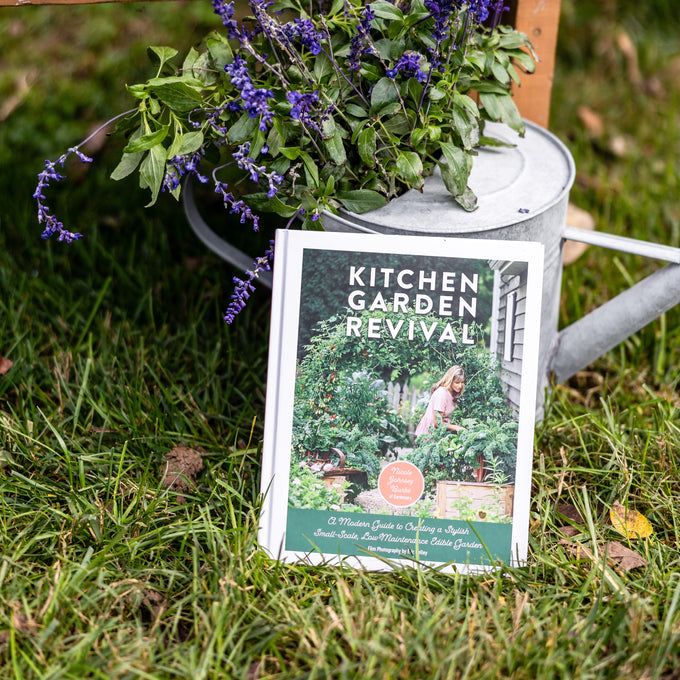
{"x": 523, "y": 195}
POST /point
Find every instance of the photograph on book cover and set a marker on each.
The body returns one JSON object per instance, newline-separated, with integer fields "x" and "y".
{"x": 401, "y": 395}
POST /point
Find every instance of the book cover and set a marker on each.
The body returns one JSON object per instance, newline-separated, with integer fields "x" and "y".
{"x": 401, "y": 395}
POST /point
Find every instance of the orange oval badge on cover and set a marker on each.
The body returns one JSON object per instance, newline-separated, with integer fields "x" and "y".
{"x": 401, "y": 483}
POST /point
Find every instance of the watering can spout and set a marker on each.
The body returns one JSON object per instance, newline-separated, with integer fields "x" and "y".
{"x": 585, "y": 340}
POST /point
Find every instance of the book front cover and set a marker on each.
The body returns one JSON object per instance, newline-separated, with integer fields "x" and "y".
{"x": 400, "y": 400}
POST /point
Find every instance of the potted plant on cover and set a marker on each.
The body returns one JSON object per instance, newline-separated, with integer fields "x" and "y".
{"x": 302, "y": 108}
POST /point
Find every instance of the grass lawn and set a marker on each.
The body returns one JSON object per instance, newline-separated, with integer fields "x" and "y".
{"x": 119, "y": 354}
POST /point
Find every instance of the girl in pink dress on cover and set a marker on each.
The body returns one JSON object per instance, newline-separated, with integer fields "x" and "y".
{"x": 443, "y": 398}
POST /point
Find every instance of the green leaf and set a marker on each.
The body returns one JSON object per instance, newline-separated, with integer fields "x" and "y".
{"x": 190, "y": 59}
{"x": 242, "y": 129}
{"x": 387, "y": 110}
{"x": 493, "y": 142}
{"x": 260, "y": 201}
{"x": 180, "y": 94}
{"x": 525, "y": 60}
{"x": 512, "y": 40}
{"x": 290, "y": 152}
{"x": 152, "y": 171}
{"x": 323, "y": 67}
{"x": 466, "y": 126}
{"x": 500, "y": 73}
{"x": 220, "y": 51}
{"x": 467, "y": 103}
{"x": 410, "y": 168}
{"x": 184, "y": 144}
{"x": 137, "y": 91}
{"x": 501, "y": 107}
{"x": 356, "y": 111}
{"x": 164, "y": 54}
{"x": 203, "y": 70}
{"x": 128, "y": 164}
{"x": 366, "y": 144}
{"x": 310, "y": 167}
{"x": 145, "y": 142}
{"x": 386, "y": 10}
{"x": 191, "y": 141}
{"x": 384, "y": 92}
{"x": 397, "y": 124}
{"x": 361, "y": 200}
{"x": 336, "y": 149}
{"x": 467, "y": 200}
{"x": 455, "y": 170}
{"x": 274, "y": 142}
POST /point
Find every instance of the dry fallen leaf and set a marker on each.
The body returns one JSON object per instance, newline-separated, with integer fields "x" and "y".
{"x": 5, "y": 365}
{"x": 617, "y": 555}
{"x": 591, "y": 121}
{"x": 629, "y": 52}
{"x": 624, "y": 558}
{"x": 570, "y": 512}
{"x": 23, "y": 624}
{"x": 569, "y": 531}
{"x": 154, "y": 605}
{"x": 576, "y": 217}
{"x": 181, "y": 468}
{"x": 629, "y": 523}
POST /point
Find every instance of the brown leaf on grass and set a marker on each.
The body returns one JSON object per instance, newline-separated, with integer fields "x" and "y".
{"x": 254, "y": 671}
{"x": 576, "y": 217}
{"x": 569, "y": 531}
{"x": 630, "y": 55}
{"x": 181, "y": 468}
{"x": 617, "y": 555}
{"x": 154, "y": 604}
{"x": 23, "y": 83}
{"x": 591, "y": 121}
{"x": 22, "y": 624}
{"x": 625, "y": 558}
{"x": 570, "y": 512}
{"x": 5, "y": 365}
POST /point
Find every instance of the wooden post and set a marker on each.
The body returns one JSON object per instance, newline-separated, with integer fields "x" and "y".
{"x": 539, "y": 19}
{"x": 22, "y": 3}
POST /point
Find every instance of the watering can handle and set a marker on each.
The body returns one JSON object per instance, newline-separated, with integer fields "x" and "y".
{"x": 583, "y": 341}
{"x": 622, "y": 243}
{"x": 217, "y": 244}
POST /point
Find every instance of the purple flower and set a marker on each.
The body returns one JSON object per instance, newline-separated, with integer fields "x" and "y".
{"x": 244, "y": 287}
{"x": 305, "y": 31}
{"x": 49, "y": 172}
{"x": 245, "y": 162}
{"x": 302, "y": 103}
{"x": 225, "y": 10}
{"x": 443, "y": 12}
{"x": 358, "y": 44}
{"x": 409, "y": 65}
{"x": 178, "y": 166}
{"x": 237, "y": 207}
{"x": 498, "y": 8}
{"x": 254, "y": 100}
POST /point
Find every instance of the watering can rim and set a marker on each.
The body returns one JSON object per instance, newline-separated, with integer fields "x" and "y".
{"x": 384, "y": 218}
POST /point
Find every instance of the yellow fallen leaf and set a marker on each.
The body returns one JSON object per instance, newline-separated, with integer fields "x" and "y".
{"x": 629, "y": 523}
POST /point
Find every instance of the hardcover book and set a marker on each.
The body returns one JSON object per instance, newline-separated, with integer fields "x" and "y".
{"x": 401, "y": 396}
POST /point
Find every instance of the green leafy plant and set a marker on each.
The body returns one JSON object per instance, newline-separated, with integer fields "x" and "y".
{"x": 336, "y": 105}
{"x": 307, "y": 489}
{"x": 444, "y": 455}
{"x": 488, "y": 441}
{"x": 347, "y": 410}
